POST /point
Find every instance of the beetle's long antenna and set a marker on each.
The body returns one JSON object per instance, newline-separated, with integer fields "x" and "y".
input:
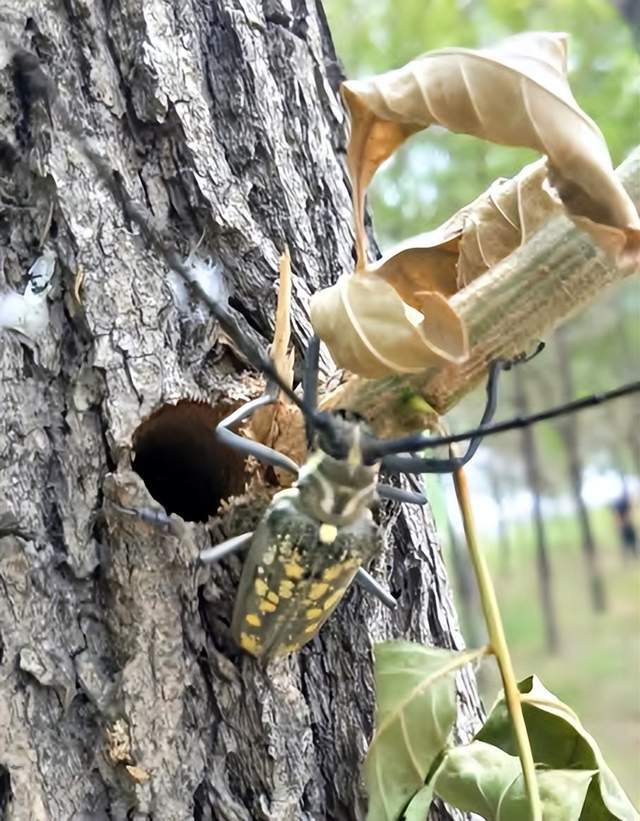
{"x": 310, "y": 380}
{"x": 409, "y": 444}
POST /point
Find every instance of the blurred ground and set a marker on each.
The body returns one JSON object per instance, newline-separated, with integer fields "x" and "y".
{"x": 597, "y": 671}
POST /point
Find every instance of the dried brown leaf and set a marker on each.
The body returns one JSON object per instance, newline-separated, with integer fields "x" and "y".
{"x": 502, "y": 219}
{"x": 423, "y": 263}
{"x": 424, "y": 271}
{"x": 372, "y": 332}
{"x": 473, "y": 239}
{"x": 514, "y": 94}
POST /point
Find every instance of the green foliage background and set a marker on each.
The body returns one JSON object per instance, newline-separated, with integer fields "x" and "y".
{"x": 432, "y": 176}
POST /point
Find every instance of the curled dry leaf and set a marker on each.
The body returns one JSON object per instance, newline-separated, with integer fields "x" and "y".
{"x": 372, "y": 332}
{"x": 393, "y": 316}
{"x": 502, "y": 219}
{"x": 366, "y": 327}
{"x": 514, "y": 94}
{"x": 473, "y": 240}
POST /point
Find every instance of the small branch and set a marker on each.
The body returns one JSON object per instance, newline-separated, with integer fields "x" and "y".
{"x": 499, "y": 646}
{"x": 556, "y": 274}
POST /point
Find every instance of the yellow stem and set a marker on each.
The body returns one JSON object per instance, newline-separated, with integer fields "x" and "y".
{"x": 499, "y": 646}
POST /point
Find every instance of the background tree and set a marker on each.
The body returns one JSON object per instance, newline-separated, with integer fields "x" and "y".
{"x": 122, "y": 694}
{"x": 531, "y": 461}
{"x": 569, "y": 435}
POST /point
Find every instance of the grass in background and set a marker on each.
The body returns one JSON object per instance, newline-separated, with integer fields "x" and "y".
{"x": 597, "y": 670}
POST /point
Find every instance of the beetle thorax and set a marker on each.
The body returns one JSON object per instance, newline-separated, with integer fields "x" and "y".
{"x": 338, "y": 490}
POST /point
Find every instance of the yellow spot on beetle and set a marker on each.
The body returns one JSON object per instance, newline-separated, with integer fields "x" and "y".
{"x": 285, "y": 589}
{"x": 294, "y": 570}
{"x": 311, "y": 628}
{"x": 273, "y": 597}
{"x": 290, "y": 648}
{"x": 327, "y": 533}
{"x": 253, "y": 619}
{"x": 260, "y": 586}
{"x": 269, "y": 554}
{"x": 266, "y": 606}
{"x": 333, "y": 572}
{"x": 317, "y": 590}
{"x": 313, "y": 613}
{"x": 249, "y": 643}
{"x": 333, "y": 598}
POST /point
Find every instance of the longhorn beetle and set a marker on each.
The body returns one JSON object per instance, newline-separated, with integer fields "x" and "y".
{"x": 315, "y": 537}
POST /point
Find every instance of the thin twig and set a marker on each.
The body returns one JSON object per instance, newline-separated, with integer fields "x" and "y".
{"x": 499, "y": 646}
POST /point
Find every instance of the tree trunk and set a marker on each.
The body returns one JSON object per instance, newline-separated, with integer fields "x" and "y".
{"x": 630, "y": 11}
{"x": 569, "y": 432}
{"x": 634, "y": 448}
{"x": 532, "y": 468}
{"x": 468, "y": 603}
{"x": 503, "y": 531}
{"x": 122, "y": 695}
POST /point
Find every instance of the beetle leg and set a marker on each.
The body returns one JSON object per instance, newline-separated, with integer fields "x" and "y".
{"x": 256, "y": 449}
{"x": 370, "y": 585}
{"x": 387, "y": 449}
{"x": 419, "y": 464}
{"x": 227, "y": 548}
{"x": 397, "y": 494}
{"x": 150, "y": 516}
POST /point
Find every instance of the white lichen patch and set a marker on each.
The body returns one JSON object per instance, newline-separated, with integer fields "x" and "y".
{"x": 209, "y": 276}
{"x": 28, "y": 313}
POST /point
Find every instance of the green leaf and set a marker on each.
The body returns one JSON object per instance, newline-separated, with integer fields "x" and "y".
{"x": 420, "y": 803}
{"x": 559, "y": 741}
{"x": 483, "y": 779}
{"x": 416, "y": 709}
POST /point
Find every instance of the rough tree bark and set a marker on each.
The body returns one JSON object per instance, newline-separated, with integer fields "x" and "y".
{"x": 569, "y": 432}
{"x": 121, "y": 695}
{"x": 534, "y": 480}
